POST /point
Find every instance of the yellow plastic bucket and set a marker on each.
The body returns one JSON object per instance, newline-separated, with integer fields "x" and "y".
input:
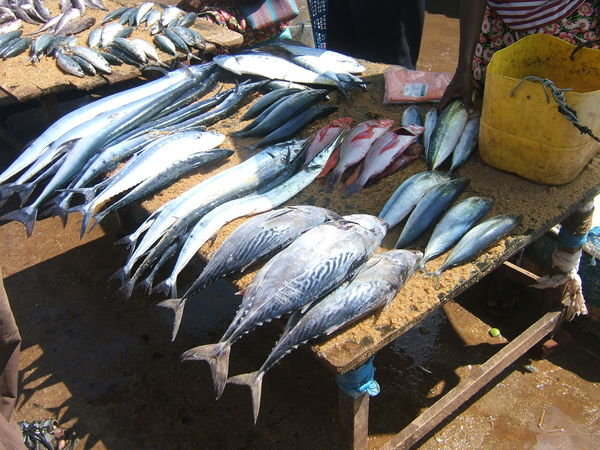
{"x": 524, "y": 133}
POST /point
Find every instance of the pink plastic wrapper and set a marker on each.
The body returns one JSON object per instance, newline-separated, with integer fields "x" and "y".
{"x": 413, "y": 86}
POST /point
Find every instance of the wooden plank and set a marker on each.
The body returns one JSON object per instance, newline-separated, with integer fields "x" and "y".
{"x": 21, "y": 80}
{"x": 478, "y": 378}
{"x": 354, "y": 417}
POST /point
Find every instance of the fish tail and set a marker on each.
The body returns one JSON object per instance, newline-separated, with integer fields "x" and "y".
{"x": 126, "y": 290}
{"x": 176, "y": 305}
{"x": 436, "y": 276}
{"x": 354, "y": 187}
{"x": 334, "y": 178}
{"x": 254, "y": 381}
{"x": 87, "y": 212}
{"x": 168, "y": 285}
{"x": 26, "y": 216}
{"x": 217, "y": 356}
{"x": 126, "y": 241}
{"x": 87, "y": 192}
{"x": 98, "y": 218}
{"x": 120, "y": 275}
{"x": 25, "y": 191}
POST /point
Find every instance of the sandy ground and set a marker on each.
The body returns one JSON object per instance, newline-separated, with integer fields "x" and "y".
{"x": 108, "y": 368}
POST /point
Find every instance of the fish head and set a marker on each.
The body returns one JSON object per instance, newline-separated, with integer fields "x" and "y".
{"x": 412, "y": 257}
{"x": 371, "y": 223}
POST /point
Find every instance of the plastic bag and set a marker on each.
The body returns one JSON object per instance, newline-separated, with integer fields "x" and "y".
{"x": 414, "y": 86}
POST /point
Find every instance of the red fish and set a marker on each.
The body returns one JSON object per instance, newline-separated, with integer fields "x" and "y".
{"x": 326, "y": 135}
{"x": 356, "y": 145}
{"x": 384, "y": 152}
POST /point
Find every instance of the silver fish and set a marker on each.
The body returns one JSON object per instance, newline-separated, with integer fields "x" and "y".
{"x": 429, "y": 208}
{"x": 212, "y": 222}
{"x": 466, "y": 144}
{"x": 454, "y": 224}
{"x": 430, "y": 122}
{"x": 377, "y": 283}
{"x": 447, "y": 132}
{"x": 68, "y": 64}
{"x": 406, "y": 196}
{"x": 295, "y": 278}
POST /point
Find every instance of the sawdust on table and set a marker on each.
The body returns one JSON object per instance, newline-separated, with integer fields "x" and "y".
{"x": 540, "y": 206}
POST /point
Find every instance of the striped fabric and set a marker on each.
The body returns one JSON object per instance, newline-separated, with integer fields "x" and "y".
{"x": 262, "y": 14}
{"x": 531, "y": 14}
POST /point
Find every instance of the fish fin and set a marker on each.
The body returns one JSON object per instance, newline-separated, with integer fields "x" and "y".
{"x": 217, "y": 356}
{"x": 166, "y": 286}
{"x": 176, "y": 305}
{"x": 254, "y": 381}
{"x": 355, "y": 187}
{"x": 292, "y": 321}
{"x": 26, "y": 216}
{"x": 120, "y": 275}
{"x": 87, "y": 211}
{"x": 87, "y": 192}
{"x": 334, "y": 178}
{"x": 25, "y": 192}
{"x": 331, "y": 163}
{"x": 99, "y": 217}
{"x": 355, "y": 174}
{"x": 125, "y": 240}
{"x": 146, "y": 285}
{"x": 126, "y": 290}
{"x": 436, "y": 275}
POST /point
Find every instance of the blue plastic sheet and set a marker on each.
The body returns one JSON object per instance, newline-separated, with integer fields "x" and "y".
{"x": 359, "y": 381}
{"x": 567, "y": 239}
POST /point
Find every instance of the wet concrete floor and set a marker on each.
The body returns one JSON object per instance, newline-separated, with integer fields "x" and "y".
{"x": 108, "y": 368}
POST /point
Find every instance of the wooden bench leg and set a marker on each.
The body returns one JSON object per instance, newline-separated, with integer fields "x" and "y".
{"x": 478, "y": 378}
{"x": 354, "y": 417}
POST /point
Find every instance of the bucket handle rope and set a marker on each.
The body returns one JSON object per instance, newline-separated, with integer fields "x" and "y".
{"x": 559, "y": 97}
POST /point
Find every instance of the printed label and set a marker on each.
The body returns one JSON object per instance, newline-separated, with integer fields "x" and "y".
{"x": 415, "y": 90}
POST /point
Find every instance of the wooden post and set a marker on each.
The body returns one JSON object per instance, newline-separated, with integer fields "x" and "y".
{"x": 478, "y": 378}
{"x": 354, "y": 418}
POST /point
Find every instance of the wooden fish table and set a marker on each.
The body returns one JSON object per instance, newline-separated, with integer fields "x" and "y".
{"x": 22, "y": 81}
{"x": 542, "y": 207}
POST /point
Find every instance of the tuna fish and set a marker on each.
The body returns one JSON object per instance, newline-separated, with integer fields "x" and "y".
{"x": 478, "y": 239}
{"x": 431, "y": 206}
{"x": 293, "y": 279}
{"x": 377, "y": 283}
{"x": 430, "y": 122}
{"x": 406, "y": 196}
{"x": 466, "y": 144}
{"x": 455, "y": 223}
{"x": 447, "y": 132}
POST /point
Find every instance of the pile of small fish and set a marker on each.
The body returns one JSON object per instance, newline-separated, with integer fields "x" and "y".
{"x": 324, "y": 287}
{"x": 424, "y": 198}
{"x": 108, "y": 45}
{"x": 454, "y": 136}
{"x": 376, "y": 149}
{"x": 297, "y": 64}
{"x": 92, "y": 140}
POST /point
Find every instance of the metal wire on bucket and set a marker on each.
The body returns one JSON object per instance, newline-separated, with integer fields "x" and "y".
{"x": 318, "y": 16}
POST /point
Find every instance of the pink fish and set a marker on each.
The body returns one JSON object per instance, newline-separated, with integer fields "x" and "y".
{"x": 327, "y": 134}
{"x": 356, "y": 145}
{"x": 384, "y": 152}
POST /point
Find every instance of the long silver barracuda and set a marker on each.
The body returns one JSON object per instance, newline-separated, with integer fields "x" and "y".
{"x": 238, "y": 180}
{"x": 377, "y": 283}
{"x": 89, "y": 111}
{"x": 295, "y": 278}
{"x": 212, "y": 222}
{"x": 269, "y": 66}
{"x": 406, "y": 196}
{"x": 158, "y": 156}
{"x": 117, "y": 122}
{"x": 454, "y": 224}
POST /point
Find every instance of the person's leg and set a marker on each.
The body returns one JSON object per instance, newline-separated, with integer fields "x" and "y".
{"x": 341, "y": 35}
{"x": 10, "y": 346}
{"x": 411, "y": 18}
